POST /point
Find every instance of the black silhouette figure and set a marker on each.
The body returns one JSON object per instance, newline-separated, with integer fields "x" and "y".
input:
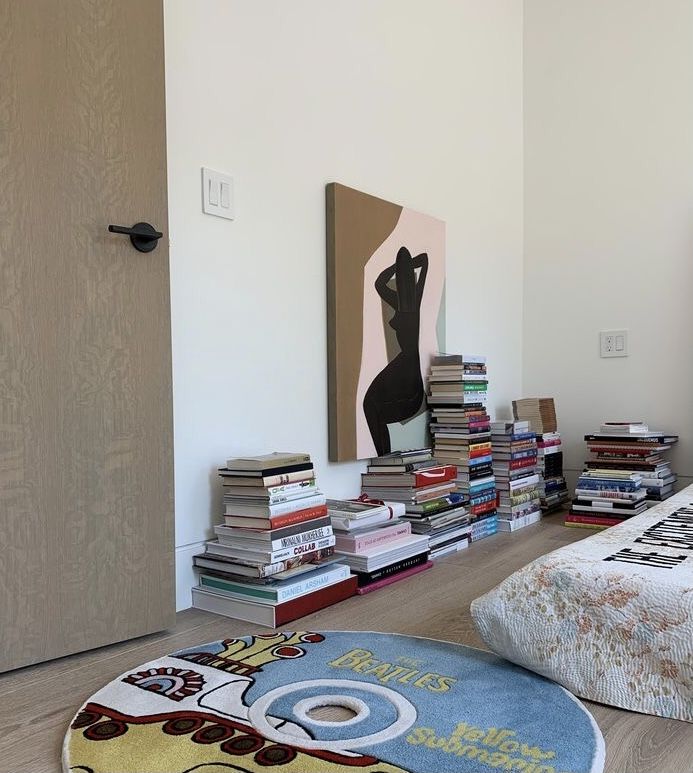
{"x": 397, "y": 392}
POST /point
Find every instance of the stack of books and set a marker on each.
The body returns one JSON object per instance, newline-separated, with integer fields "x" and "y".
{"x": 484, "y": 526}
{"x": 273, "y": 559}
{"x": 540, "y": 412}
{"x": 553, "y": 488}
{"x": 376, "y": 542}
{"x": 515, "y": 468}
{"x": 460, "y": 428}
{"x": 623, "y": 451}
{"x": 605, "y": 498}
{"x": 426, "y": 490}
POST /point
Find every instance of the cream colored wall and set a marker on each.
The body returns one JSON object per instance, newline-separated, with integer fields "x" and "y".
{"x": 608, "y": 154}
{"x": 419, "y": 103}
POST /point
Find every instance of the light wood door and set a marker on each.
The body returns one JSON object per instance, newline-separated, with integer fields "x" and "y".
{"x": 86, "y": 502}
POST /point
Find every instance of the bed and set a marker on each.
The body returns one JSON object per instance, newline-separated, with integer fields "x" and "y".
{"x": 609, "y": 617}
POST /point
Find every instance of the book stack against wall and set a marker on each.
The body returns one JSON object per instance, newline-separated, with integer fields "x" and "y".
{"x": 605, "y": 498}
{"x": 374, "y": 539}
{"x": 553, "y": 489}
{"x": 515, "y": 468}
{"x": 624, "y": 474}
{"x": 460, "y": 428}
{"x": 426, "y": 490}
{"x": 273, "y": 559}
{"x": 540, "y": 412}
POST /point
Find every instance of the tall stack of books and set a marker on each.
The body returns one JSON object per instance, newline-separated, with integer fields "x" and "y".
{"x": 460, "y": 427}
{"x": 376, "y": 542}
{"x": 426, "y": 490}
{"x": 515, "y": 468}
{"x": 624, "y": 475}
{"x": 272, "y": 560}
{"x": 540, "y": 412}
{"x": 553, "y": 488}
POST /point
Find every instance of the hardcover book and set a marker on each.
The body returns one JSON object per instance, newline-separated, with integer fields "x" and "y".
{"x": 276, "y": 521}
{"x": 267, "y": 461}
{"x": 271, "y": 615}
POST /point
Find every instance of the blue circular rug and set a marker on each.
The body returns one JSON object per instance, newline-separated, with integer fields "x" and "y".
{"x": 416, "y": 705}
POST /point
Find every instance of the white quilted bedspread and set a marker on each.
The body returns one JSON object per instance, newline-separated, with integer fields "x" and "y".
{"x": 609, "y": 617}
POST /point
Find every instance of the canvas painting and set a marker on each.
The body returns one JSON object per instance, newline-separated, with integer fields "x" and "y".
{"x": 386, "y": 319}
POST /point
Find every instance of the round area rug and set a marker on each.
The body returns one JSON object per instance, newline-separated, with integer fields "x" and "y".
{"x": 251, "y": 704}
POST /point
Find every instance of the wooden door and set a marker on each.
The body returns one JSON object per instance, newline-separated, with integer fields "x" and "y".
{"x": 86, "y": 486}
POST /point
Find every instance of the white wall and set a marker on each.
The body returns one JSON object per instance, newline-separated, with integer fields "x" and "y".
{"x": 420, "y": 103}
{"x": 608, "y": 152}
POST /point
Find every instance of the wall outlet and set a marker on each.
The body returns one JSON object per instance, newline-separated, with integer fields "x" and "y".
{"x": 613, "y": 343}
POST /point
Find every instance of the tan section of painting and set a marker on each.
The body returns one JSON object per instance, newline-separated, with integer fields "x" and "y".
{"x": 419, "y": 233}
{"x": 357, "y": 224}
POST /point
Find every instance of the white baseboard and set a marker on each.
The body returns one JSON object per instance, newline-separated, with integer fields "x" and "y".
{"x": 185, "y": 576}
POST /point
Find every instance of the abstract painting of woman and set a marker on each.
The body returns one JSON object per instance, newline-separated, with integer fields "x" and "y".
{"x": 397, "y": 392}
{"x": 385, "y": 320}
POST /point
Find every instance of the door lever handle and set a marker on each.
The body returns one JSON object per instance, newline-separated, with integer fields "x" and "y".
{"x": 144, "y": 237}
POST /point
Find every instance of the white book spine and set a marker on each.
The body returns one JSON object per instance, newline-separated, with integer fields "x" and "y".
{"x": 277, "y": 544}
{"x": 290, "y": 507}
{"x": 274, "y": 499}
{"x": 338, "y": 573}
{"x": 281, "y": 508}
{"x": 271, "y": 557}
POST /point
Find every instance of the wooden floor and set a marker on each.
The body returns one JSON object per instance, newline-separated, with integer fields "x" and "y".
{"x": 37, "y": 703}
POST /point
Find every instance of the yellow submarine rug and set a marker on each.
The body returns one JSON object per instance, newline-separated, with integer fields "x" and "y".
{"x": 415, "y": 705}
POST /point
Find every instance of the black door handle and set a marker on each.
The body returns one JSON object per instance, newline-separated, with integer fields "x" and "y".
{"x": 144, "y": 237}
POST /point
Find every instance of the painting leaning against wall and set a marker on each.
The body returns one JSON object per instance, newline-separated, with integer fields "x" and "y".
{"x": 386, "y": 318}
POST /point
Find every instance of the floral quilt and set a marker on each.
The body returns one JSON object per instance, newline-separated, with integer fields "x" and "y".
{"x": 609, "y": 617}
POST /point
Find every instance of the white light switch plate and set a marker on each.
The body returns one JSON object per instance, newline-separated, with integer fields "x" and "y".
{"x": 217, "y": 193}
{"x": 613, "y": 343}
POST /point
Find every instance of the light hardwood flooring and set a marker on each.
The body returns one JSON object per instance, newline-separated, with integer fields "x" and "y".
{"x": 37, "y": 703}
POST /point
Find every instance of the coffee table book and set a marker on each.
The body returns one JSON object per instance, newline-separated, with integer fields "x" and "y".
{"x": 273, "y": 615}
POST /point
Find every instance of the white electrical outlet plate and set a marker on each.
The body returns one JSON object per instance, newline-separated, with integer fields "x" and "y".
{"x": 217, "y": 193}
{"x": 613, "y": 343}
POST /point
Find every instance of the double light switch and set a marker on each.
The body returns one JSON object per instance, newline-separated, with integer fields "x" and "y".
{"x": 217, "y": 193}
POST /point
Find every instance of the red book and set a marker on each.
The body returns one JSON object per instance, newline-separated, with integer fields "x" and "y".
{"x": 417, "y": 479}
{"x": 519, "y": 464}
{"x": 277, "y": 521}
{"x": 484, "y": 507}
{"x": 641, "y": 450}
{"x": 592, "y": 520}
{"x": 312, "y": 602}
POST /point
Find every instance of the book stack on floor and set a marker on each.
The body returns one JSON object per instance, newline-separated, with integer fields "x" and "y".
{"x": 517, "y": 480}
{"x": 426, "y": 490}
{"x": 540, "y": 412}
{"x": 376, "y": 542}
{"x": 605, "y": 498}
{"x": 633, "y": 446}
{"x": 553, "y": 488}
{"x": 460, "y": 427}
{"x": 273, "y": 560}
{"x": 624, "y": 475}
